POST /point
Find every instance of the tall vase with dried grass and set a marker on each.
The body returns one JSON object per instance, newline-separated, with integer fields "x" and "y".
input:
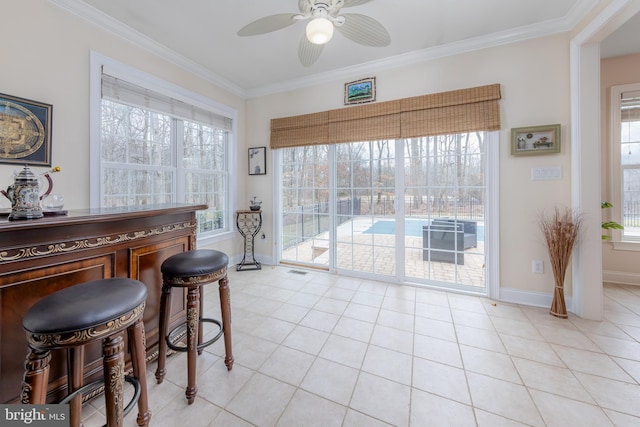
{"x": 561, "y": 230}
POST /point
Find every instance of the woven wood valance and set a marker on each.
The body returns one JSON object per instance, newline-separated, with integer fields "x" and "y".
{"x": 296, "y": 131}
{"x": 458, "y": 111}
{"x": 365, "y": 123}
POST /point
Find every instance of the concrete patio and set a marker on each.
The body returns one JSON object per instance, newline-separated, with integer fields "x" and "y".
{"x": 360, "y": 251}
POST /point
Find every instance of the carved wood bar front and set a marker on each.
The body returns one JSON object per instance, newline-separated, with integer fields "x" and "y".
{"x": 41, "y": 256}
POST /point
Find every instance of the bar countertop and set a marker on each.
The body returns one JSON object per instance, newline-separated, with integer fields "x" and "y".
{"x": 78, "y": 216}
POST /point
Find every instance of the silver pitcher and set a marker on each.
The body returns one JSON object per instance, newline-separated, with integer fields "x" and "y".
{"x": 24, "y": 195}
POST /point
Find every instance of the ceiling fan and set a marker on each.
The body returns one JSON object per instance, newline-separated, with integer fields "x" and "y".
{"x": 323, "y": 16}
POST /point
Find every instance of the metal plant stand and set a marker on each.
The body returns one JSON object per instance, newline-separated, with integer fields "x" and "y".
{"x": 249, "y": 224}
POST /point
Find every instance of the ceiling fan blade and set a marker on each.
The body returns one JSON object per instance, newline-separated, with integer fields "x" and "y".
{"x": 305, "y": 6}
{"x": 364, "y": 30}
{"x": 267, "y": 24}
{"x": 308, "y": 53}
{"x": 351, "y": 3}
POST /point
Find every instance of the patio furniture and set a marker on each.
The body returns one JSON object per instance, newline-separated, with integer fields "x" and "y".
{"x": 444, "y": 240}
{"x": 470, "y": 229}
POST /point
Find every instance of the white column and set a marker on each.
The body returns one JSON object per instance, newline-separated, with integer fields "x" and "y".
{"x": 587, "y": 297}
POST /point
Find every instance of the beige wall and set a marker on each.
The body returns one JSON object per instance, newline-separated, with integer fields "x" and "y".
{"x": 534, "y": 77}
{"x": 45, "y": 57}
{"x": 619, "y": 265}
{"x": 50, "y": 63}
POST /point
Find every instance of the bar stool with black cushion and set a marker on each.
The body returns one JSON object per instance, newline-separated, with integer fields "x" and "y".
{"x": 192, "y": 270}
{"x": 75, "y": 316}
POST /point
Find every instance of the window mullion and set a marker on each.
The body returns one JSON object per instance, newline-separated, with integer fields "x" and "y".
{"x": 138, "y": 149}
{"x": 177, "y": 137}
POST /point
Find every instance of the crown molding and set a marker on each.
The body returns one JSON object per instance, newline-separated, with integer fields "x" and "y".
{"x": 578, "y": 12}
{"x": 107, "y": 23}
{"x": 546, "y": 28}
{"x": 101, "y": 20}
{"x": 419, "y": 56}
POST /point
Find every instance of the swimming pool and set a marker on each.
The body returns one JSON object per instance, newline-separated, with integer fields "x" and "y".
{"x": 411, "y": 228}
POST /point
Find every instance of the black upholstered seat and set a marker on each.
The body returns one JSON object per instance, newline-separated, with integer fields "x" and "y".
{"x": 100, "y": 310}
{"x": 190, "y": 271}
{"x": 84, "y": 306}
{"x": 194, "y": 263}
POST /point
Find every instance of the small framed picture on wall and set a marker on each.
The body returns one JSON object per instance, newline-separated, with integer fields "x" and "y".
{"x": 360, "y": 91}
{"x": 258, "y": 161}
{"x": 535, "y": 140}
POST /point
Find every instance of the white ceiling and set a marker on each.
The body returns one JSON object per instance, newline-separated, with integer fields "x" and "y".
{"x": 624, "y": 41}
{"x": 201, "y": 35}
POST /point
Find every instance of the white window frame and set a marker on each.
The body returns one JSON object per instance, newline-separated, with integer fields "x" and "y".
{"x": 99, "y": 64}
{"x": 619, "y": 239}
{"x": 492, "y": 211}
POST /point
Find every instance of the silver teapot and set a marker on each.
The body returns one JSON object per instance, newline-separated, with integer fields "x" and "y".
{"x": 24, "y": 195}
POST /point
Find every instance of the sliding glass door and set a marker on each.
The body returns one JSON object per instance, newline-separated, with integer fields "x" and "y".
{"x": 410, "y": 210}
{"x": 444, "y": 210}
{"x": 364, "y": 196}
{"x": 305, "y": 206}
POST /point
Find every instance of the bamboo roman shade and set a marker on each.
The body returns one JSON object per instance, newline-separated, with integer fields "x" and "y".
{"x": 458, "y": 111}
{"x": 365, "y": 123}
{"x": 296, "y": 131}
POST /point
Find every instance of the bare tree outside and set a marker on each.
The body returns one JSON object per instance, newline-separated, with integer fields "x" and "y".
{"x": 443, "y": 178}
{"x": 139, "y": 168}
{"x": 630, "y": 163}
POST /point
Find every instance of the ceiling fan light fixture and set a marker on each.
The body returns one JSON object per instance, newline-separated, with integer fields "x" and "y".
{"x": 319, "y": 30}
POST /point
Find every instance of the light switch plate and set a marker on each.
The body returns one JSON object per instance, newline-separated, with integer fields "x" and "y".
{"x": 545, "y": 174}
{"x": 537, "y": 266}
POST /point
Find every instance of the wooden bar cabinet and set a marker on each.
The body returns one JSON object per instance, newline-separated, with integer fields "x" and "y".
{"x": 38, "y": 257}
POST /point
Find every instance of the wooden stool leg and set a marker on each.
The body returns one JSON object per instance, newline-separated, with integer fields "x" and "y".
{"x": 225, "y": 308}
{"x": 165, "y": 313}
{"x": 138, "y": 346}
{"x": 200, "y": 325}
{"x": 113, "y": 366}
{"x": 75, "y": 375}
{"x": 193, "y": 320}
{"x": 36, "y": 377}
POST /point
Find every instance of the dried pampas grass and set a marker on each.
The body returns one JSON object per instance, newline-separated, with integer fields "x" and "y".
{"x": 561, "y": 231}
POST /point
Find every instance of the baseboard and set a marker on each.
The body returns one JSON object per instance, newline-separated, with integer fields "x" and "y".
{"x": 534, "y": 299}
{"x": 511, "y": 295}
{"x": 264, "y": 260}
{"x": 236, "y": 259}
{"x": 621, "y": 277}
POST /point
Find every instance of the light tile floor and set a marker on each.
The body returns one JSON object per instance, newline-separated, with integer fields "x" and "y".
{"x": 317, "y": 349}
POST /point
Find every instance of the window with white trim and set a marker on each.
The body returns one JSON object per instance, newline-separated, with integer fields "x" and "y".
{"x": 626, "y": 160}
{"x": 157, "y": 149}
